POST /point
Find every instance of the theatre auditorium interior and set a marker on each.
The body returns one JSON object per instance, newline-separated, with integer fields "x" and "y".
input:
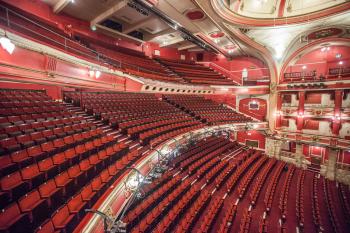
{"x": 174, "y": 116}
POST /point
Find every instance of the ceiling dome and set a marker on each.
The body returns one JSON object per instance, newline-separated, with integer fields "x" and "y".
{"x": 277, "y": 12}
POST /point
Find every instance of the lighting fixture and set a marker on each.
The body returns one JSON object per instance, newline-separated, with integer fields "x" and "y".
{"x": 91, "y": 73}
{"x": 93, "y": 27}
{"x": 328, "y": 48}
{"x": 338, "y": 55}
{"x": 7, "y": 44}
{"x": 304, "y": 67}
{"x": 97, "y": 74}
{"x": 341, "y": 63}
{"x": 323, "y": 49}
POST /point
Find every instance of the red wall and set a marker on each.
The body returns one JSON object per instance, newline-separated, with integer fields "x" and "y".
{"x": 41, "y": 69}
{"x": 321, "y": 61}
{"x": 242, "y": 136}
{"x": 259, "y": 114}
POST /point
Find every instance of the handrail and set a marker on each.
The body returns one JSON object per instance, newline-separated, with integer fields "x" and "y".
{"x": 100, "y": 57}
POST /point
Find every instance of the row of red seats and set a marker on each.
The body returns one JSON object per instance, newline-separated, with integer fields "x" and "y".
{"x": 299, "y": 205}
{"x": 245, "y": 222}
{"x": 345, "y": 200}
{"x": 211, "y": 213}
{"x": 332, "y": 208}
{"x": 186, "y": 223}
{"x": 208, "y": 159}
{"x": 149, "y": 202}
{"x": 44, "y": 199}
{"x": 20, "y": 141}
{"x": 232, "y": 166}
{"x": 258, "y": 184}
{"x": 316, "y": 213}
{"x": 243, "y": 186}
{"x": 232, "y": 180}
{"x": 263, "y": 223}
{"x": 167, "y": 204}
{"x": 227, "y": 221}
{"x": 205, "y": 150}
{"x": 283, "y": 202}
{"x": 271, "y": 187}
{"x": 35, "y": 153}
{"x": 179, "y": 208}
{"x": 199, "y": 146}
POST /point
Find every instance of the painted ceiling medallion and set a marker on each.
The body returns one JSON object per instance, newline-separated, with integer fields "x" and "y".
{"x": 195, "y": 14}
{"x": 216, "y": 34}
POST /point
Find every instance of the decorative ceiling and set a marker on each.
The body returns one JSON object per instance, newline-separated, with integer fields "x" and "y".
{"x": 270, "y": 30}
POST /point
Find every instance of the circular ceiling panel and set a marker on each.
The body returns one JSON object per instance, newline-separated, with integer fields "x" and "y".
{"x": 216, "y": 34}
{"x": 195, "y": 14}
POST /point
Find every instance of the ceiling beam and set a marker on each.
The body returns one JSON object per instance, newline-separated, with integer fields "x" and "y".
{"x": 108, "y": 13}
{"x": 175, "y": 41}
{"x": 138, "y": 25}
{"x": 187, "y": 47}
{"x": 161, "y": 33}
{"x": 60, "y": 5}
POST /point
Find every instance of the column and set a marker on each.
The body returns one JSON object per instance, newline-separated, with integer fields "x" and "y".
{"x": 300, "y": 117}
{"x": 299, "y": 155}
{"x": 338, "y": 99}
{"x": 278, "y": 110}
{"x": 331, "y": 164}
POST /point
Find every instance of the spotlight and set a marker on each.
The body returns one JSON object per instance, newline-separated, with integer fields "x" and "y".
{"x": 92, "y": 73}
{"x": 98, "y": 74}
{"x": 7, "y": 44}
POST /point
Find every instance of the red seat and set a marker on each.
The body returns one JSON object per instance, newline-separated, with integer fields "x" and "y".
{"x": 36, "y": 207}
{"x": 13, "y": 185}
{"x": 88, "y": 195}
{"x": 105, "y": 177}
{"x": 13, "y": 130}
{"x": 32, "y": 175}
{"x": 68, "y": 140}
{"x": 46, "y": 166}
{"x": 52, "y": 193}
{"x": 47, "y": 227}
{"x": 9, "y": 145}
{"x": 97, "y": 184}
{"x": 76, "y": 205}
{"x": 59, "y": 160}
{"x": 6, "y": 165}
{"x": 38, "y": 137}
{"x": 62, "y": 180}
{"x": 77, "y": 175}
{"x": 71, "y": 156}
{"x": 48, "y": 148}
{"x": 22, "y": 158}
{"x": 49, "y": 135}
{"x": 25, "y": 141}
{"x": 59, "y": 144}
{"x": 11, "y": 220}
{"x": 36, "y": 153}
{"x": 63, "y": 220}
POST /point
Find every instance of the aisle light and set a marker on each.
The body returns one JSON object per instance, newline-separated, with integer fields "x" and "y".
{"x": 7, "y": 44}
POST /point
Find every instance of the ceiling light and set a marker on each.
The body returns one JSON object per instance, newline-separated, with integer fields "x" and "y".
{"x": 72, "y": 1}
{"x": 91, "y": 73}
{"x": 341, "y": 63}
{"x": 7, "y": 44}
{"x": 93, "y": 27}
{"x": 338, "y": 55}
{"x": 323, "y": 49}
{"x": 304, "y": 67}
{"x": 328, "y": 48}
{"x": 97, "y": 74}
